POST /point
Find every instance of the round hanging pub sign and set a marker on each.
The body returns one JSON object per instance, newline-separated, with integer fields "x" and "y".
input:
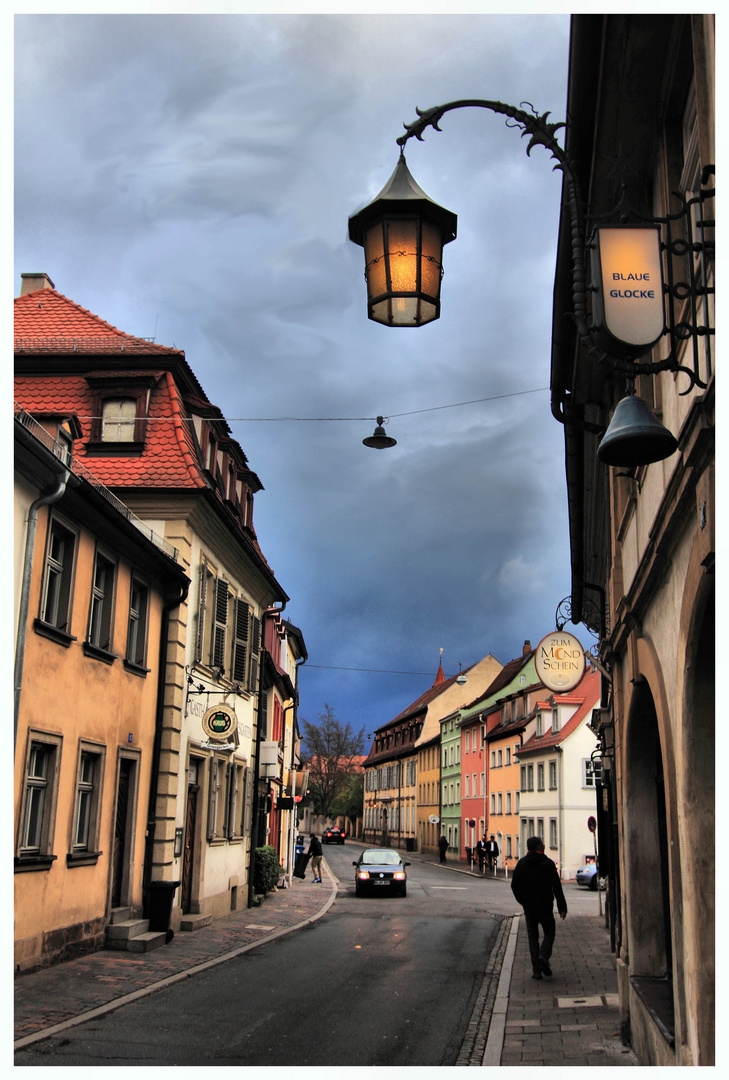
{"x": 219, "y": 722}
{"x": 560, "y": 661}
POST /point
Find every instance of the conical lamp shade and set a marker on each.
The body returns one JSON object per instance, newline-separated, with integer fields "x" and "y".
{"x": 635, "y": 436}
{"x": 379, "y": 440}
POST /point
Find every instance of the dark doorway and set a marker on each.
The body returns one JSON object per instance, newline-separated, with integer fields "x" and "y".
{"x": 188, "y": 854}
{"x": 120, "y": 849}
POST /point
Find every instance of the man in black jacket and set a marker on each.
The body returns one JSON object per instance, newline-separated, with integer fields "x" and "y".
{"x": 535, "y": 884}
{"x": 316, "y": 856}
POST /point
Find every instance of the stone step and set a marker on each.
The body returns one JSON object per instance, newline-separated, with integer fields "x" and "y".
{"x": 195, "y": 922}
{"x": 120, "y": 914}
{"x": 146, "y": 942}
{"x": 129, "y": 928}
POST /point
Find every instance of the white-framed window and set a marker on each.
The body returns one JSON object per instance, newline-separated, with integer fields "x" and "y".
{"x": 498, "y": 759}
{"x": 508, "y": 847}
{"x": 493, "y": 803}
{"x": 468, "y": 786}
{"x": 539, "y": 725}
{"x": 217, "y": 798}
{"x": 553, "y": 833}
{"x": 507, "y": 756}
{"x": 540, "y": 827}
{"x": 553, "y": 775}
{"x": 540, "y": 776}
{"x": 118, "y": 420}
{"x": 555, "y": 721}
{"x": 591, "y": 772}
{"x": 493, "y": 759}
{"x": 516, "y": 802}
{"x": 56, "y": 595}
{"x": 508, "y": 802}
{"x": 34, "y": 846}
{"x": 527, "y": 777}
{"x": 499, "y": 803}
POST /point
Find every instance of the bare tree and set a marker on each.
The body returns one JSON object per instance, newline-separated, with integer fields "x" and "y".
{"x": 329, "y": 749}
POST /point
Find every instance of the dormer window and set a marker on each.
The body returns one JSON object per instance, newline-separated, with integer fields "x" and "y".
{"x": 120, "y": 410}
{"x": 118, "y": 420}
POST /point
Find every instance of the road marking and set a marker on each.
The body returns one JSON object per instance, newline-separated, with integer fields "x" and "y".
{"x": 452, "y": 888}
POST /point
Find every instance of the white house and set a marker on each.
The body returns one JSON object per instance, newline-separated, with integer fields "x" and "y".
{"x": 557, "y": 796}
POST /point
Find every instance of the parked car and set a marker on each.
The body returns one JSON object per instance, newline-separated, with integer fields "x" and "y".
{"x": 333, "y": 835}
{"x": 587, "y": 875}
{"x": 380, "y": 869}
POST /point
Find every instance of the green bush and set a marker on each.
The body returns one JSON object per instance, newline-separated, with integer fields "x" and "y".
{"x": 266, "y": 869}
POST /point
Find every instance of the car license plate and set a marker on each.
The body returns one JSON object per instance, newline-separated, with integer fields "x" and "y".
{"x": 378, "y": 882}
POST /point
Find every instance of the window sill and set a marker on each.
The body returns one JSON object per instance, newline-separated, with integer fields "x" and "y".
{"x": 50, "y": 631}
{"x": 24, "y": 863}
{"x": 657, "y": 996}
{"x": 98, "y": 654}
{"x": 83, "y": 858}
{"x": 111, "y": 449}
{"x": 136, "y": 669}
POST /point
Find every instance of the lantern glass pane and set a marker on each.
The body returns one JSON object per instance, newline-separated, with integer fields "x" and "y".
{"x": 374, "y": 261}
{"x": 402, "y": 244}
{"x": 431, "y": 260}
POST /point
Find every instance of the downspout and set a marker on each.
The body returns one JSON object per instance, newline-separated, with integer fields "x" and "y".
{"x": 45, "y": 500}
{"x": 259, "y": 739}
{"x": 169, "y": 606}
{"x": 294, "y": 814}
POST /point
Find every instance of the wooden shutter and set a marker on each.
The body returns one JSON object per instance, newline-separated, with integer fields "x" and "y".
{"x": 221, "y": 624}
{"x": 248, "y": 802}
{"x": 240, "y": 641}
{"x": 202, "y": 599}
{"x": 255, "y": 648}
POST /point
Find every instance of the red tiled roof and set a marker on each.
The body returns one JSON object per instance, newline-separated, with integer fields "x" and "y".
{"x": 48, "y": 322}
{"x": 588, "y": 695}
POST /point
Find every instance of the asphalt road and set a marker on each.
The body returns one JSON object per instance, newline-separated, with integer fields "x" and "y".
{"x": 379, "y": 980}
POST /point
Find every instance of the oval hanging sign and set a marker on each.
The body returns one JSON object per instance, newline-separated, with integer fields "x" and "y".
{"x": 560, "y": 661}
{"x": 434, "y": 819}
{"x": 219, "y": 722}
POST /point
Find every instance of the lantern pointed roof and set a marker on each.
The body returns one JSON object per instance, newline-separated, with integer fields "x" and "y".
{"x": 402, "y": 188}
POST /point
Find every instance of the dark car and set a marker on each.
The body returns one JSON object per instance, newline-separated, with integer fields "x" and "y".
{"x": 333, "y": 835}
{"x": 380, "y": 870}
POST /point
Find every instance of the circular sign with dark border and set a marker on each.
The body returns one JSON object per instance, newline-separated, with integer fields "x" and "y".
{"x": 560, "y": 661}
{"x": 219, "y": 722}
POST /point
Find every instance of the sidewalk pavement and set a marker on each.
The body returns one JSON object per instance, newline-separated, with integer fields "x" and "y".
{"x": 569, "y": 1019}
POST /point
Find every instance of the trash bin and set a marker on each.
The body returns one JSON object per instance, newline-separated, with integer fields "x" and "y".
{"x": 300, "y": 845}
{"x": 161, "y": 894}
{"x": 302, "y": 861}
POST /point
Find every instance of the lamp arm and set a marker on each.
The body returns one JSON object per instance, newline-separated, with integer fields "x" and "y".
{"x": 542, "y": 133}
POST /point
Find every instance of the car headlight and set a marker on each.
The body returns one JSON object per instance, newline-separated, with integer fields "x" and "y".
{"x": 399, "y": 875}
{"x": 363, "y": 875}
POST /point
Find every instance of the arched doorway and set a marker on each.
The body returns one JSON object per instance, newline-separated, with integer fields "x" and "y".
{"x": 646, "y": 841}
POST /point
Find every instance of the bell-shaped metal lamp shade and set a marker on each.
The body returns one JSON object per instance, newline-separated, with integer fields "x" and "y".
{"x": 403, "y": 232}
{"x": 379, "y": 440}
{"x": 635, "y": 436}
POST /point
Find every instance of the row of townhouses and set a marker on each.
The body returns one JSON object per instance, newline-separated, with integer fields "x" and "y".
{"x": 512, "y": 762}
{"x": 156, "y": 732}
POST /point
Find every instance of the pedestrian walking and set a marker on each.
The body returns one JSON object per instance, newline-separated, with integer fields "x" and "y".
{"x": 316, "y": 856}
{"x": 481, "y": 853}
{"x": 536, "y": 885}
{"x": 442, "y": 847}
{"x": 492, "y": 851}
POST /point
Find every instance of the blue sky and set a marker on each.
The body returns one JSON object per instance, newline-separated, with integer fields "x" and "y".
{"x": 190, "y": 177}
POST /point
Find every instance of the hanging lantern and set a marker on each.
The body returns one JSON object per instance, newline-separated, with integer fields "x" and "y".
{"x": 403, "y": 232}
{"x": 379, "y": 440}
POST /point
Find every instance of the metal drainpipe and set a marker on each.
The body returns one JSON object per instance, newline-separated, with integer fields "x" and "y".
{"x": 257, "y": 767}
{"x": 157, "y": 746}
{"x": 295, "y": 812}
{"x": 24, "y": 606}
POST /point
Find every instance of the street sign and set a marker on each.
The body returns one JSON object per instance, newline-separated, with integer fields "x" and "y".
{"x": 591, "y": 824}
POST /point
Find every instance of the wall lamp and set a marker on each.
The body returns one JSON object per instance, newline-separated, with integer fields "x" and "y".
{"x": 403, "y": 233}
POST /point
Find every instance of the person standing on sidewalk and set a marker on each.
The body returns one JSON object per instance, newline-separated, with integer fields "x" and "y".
{"x": 442, "y": 847}
{"x": 492, "y": 851}
{"x": 316, "y": 856}
{"x": 481, "y": 853}
{"x": 535, "y": 884}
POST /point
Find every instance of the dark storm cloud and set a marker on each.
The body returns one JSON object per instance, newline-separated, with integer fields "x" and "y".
{"x": 191, "y": 177}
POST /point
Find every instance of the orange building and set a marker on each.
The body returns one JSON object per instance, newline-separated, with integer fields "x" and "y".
{"x": 94, "y": 591}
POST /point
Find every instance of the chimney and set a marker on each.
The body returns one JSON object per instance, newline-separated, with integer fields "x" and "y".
{"x": 32, "y": 282}
{"x": 527, "y": 648}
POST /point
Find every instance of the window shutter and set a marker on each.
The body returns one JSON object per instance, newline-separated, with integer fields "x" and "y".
{"x": 212, "y": 797}
{"x": 201, "y": 614}
{"x": 232, "y": 798}
{"x": 221, "y": 624}
{"x": 240, "y": 641}
{"x": 255, "y": 648}
{"x": 248, "y": 802}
